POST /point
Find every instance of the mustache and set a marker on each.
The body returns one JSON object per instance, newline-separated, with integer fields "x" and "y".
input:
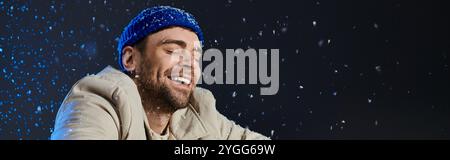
{"x": 180, "y": 71}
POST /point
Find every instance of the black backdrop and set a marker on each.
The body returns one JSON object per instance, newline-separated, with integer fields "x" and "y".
{"x": 371, "y": 69}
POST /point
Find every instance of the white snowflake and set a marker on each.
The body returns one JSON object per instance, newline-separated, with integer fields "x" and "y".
{"x": 320, "y": 43}
{"x": 378, "y": 69}
{"x": 284, "y": 30}
{"x": 375, "y": 25}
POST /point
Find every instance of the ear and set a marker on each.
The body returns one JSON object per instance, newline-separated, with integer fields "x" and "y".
{"x": 129, "y": 58}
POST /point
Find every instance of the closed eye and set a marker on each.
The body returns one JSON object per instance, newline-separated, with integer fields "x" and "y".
{"x": 169, "y": 51}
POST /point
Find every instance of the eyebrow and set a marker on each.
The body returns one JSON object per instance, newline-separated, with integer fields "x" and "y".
{"x": 173, "y": 41}
{"x": 179, "y": 43}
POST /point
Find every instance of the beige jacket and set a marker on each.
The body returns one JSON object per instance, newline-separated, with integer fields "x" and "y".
{"x": 108, "y": 106}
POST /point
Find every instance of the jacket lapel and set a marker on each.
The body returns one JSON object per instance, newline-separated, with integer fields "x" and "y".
{"x": 146, "y": 125}
{"x": 187, "y": 125}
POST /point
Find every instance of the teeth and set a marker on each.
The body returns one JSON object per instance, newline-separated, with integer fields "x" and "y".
{"x": 181, "y": 80}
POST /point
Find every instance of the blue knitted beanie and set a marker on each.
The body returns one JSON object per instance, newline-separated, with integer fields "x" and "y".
{"x": 152, "y": 20}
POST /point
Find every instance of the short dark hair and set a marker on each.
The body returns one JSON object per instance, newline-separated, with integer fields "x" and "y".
{"x": 141, "y": 45}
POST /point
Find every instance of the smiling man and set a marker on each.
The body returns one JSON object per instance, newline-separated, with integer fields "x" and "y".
{"x": 154, "y": 95}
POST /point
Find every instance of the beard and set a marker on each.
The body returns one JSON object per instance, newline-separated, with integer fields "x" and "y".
{"x": 157, "y": 95}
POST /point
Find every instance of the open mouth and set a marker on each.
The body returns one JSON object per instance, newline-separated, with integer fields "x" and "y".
{"x": 180, "y": 80}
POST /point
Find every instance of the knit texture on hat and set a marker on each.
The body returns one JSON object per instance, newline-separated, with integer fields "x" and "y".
{"x": 152, "y": 20}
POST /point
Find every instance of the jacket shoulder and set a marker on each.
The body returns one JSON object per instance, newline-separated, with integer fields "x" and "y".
{"x": 203, "y": 100}
{"x": 117, "y": 93}
{"x": 106, "y": 84}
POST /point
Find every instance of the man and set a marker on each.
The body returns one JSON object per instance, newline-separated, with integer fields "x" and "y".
{"x": 154, "y": 95}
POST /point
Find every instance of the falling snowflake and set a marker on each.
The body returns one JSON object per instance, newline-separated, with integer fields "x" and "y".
{"x": 375, "y": 25}
{"x": 234, "y": 94}
{"x": 284, "y": 30}
{"x": 320, "y": 43}
{"x": 378, "y": 69}
{"x": 335, "y": 93}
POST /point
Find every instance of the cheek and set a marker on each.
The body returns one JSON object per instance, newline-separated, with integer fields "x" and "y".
{"x": 147, "y": 70}
{"x": 161, "y": 62}
{"x": 196, "y": 72}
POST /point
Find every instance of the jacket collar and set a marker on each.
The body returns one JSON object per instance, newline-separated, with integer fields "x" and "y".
{"x": 185, "y": 124}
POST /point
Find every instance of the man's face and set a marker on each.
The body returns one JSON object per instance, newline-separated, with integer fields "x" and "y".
{"x": 169, "y": 68}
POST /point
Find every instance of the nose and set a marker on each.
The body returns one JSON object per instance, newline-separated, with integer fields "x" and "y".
{"x": 185, "y": 64}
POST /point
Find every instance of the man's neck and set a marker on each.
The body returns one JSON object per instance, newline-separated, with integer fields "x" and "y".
{"x": 158, "y": 121}
{"x": 158, "y": 112}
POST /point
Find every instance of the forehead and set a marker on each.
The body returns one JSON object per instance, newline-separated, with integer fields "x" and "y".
{"x": 175, "y": 33}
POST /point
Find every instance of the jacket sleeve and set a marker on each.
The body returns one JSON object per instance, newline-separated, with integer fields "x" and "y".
{"x": 232, "y": 131}
{"x": 84, "y": 115}
{"x": 227, "y": 129}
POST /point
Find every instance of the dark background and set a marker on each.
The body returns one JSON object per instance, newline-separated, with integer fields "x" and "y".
{"x": 368, "y": 69}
